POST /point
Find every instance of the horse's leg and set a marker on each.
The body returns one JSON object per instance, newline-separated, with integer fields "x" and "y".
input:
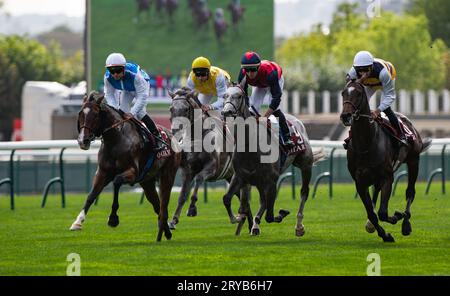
{"x": 271, "y": 195}
{"x": 377, "y": 188}
{"x": 127, "y": 176}
{"x": 186, "y": 177}
{"x": 245, "y": 212}
{"x": 365, "y": 198}
{"x": 166, "y": 181}
{"x": 101, "y": 179}
{"x": 386, "y": 190}
{"x": 206, "y": 173}
{"x": 235, "y": 184}
{"x": 306, "y": 178}
{"x": 262, "y": 208}
{"x": 151, "y": 194}
{"x": 413, "y": 170}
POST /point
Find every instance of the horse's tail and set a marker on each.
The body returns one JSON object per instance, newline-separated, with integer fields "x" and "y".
{"x": 426, "y": 144}
{"x": 318, "y": 155}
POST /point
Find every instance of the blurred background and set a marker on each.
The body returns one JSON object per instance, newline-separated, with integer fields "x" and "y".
{"x": 52, "y": 52}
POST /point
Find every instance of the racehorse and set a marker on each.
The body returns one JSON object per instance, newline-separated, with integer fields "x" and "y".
{"x": 171, "y": 7}
{"x": 199, "y": 166}
{"x": 373, "y": 156}
{"x": 220, "y": 24}
{"x": 249, "y": 169}
{"x": 200, "y": 13}
{"x": 143, "y": 6}
{"x": 124, "y": 158}
{"x": 237, "y": 13}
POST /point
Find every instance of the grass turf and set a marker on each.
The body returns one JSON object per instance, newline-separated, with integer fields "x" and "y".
{"x": 36, "y": 241}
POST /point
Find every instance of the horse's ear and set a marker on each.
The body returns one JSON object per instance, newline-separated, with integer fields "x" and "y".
{"x": 171, "y": 94}
{"x": 85, "y": 98}
{"x": 99, "y": 99}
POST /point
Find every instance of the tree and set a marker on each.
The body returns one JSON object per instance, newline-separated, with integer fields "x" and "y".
{"x": 21, "y": 60}
{"x": 437, "y": 13}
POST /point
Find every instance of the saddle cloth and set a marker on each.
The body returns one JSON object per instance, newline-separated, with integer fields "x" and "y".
{"x": 385, "y": 123}
{"x": 294, "y": 134}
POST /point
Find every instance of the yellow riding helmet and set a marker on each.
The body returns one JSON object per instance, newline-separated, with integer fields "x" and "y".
{"x": 201, "y": 62}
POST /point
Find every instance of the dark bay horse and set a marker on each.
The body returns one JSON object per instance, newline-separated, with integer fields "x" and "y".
{"x": 204, "y": 165}
{"x": 171, "y": 7}
{"x": 124, "y": 158}
{"x": 237, "y": 13}
{"x": 371, "y": 157}
{"x": 250, "y": 170}
{"x": 143, "y": 7}
{"x": 201, "y": 14}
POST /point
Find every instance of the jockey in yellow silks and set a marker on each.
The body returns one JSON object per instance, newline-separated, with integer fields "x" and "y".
{"x": 209, "y": 82}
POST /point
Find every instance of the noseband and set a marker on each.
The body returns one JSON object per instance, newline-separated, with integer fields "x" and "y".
{"x": 356, "y": 114}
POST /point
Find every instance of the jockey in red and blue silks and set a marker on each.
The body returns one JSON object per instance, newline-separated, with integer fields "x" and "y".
{"x": 125, "y": 82}
{"x": 266, "y": 78}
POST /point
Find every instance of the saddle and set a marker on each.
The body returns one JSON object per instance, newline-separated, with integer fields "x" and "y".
{"x": 384, "y": 122}
{"x": 149, "y": 138}
{"x": 294, "y": 134}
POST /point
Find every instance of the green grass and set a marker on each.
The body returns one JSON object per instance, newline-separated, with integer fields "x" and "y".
{"x": 159, "y": 48}
{"x": 36, "y": 241}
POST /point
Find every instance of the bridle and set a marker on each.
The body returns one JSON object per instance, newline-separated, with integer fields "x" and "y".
{"x": 94, "y": 133}
{"x": 242, "y": 105}
{"x": 356, "y": 114}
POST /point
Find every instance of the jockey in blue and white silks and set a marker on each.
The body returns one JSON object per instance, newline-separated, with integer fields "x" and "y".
{"x": 124, "y": 82}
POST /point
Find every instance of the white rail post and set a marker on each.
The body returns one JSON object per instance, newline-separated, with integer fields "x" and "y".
{"x": 326, "y": 102}
{"x": 418, "y": 102}
{"x": 446, "y": 101}
{"x": 284, "y": 102}
{"x": 296, "y": 102}
{"x": 405, "y": 103}
{"x": 311, "y": 102}
{"x": 433, "y": 103}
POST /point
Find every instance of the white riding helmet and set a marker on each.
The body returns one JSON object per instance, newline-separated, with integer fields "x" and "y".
{"x": 115, "y": 59}
{"x": 363, "y": 58}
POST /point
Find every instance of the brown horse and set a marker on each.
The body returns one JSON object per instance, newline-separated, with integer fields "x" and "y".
{"x": 237, "y": 14}
{"x": 220, "y": 25}
{"x": 124, "y": 158}
{"x": 372, "y": 155}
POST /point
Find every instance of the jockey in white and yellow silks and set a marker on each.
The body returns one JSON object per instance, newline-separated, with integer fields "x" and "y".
{"x": 209, "y": 82}
{"x": 377, "y": 74}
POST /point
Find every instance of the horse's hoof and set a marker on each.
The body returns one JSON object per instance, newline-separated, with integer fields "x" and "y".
{"x": 283, "y": 213}
{"x": 113, "y": 221}
{"x": 168, "y": 234}
{"x": 369, "y": 227}
{"x": 192, "y": 212}
{"x": 406, "y": 228}
{"x": 300, "y": 231}
{"x": 398, "y": 215}
{"x": 233, "y": 220}
{"x": 75, "y": 227}
{"x": 255, "y": 232}
{"x": 172, "y": 225}
{"x": 388, "y": 238}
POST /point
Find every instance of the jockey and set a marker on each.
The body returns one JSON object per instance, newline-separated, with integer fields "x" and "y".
{"x": 377, "y": 74}
{"x": 125, "y": 81}
{"x": 210, "y": 82}
{"x": 266, "y": 78}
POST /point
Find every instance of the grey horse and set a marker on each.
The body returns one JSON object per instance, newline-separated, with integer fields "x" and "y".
{"x": 200, "y": 166}
{"x": 250, "y": 171}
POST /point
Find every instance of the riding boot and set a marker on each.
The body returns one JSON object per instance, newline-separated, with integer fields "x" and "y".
{"x": 284, "y": 129}
{"x": 159, "y": 142}
{"x": 396, "y": 124}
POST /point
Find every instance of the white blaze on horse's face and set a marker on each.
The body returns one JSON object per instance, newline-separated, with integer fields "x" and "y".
{"x": 350, "y": 90}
